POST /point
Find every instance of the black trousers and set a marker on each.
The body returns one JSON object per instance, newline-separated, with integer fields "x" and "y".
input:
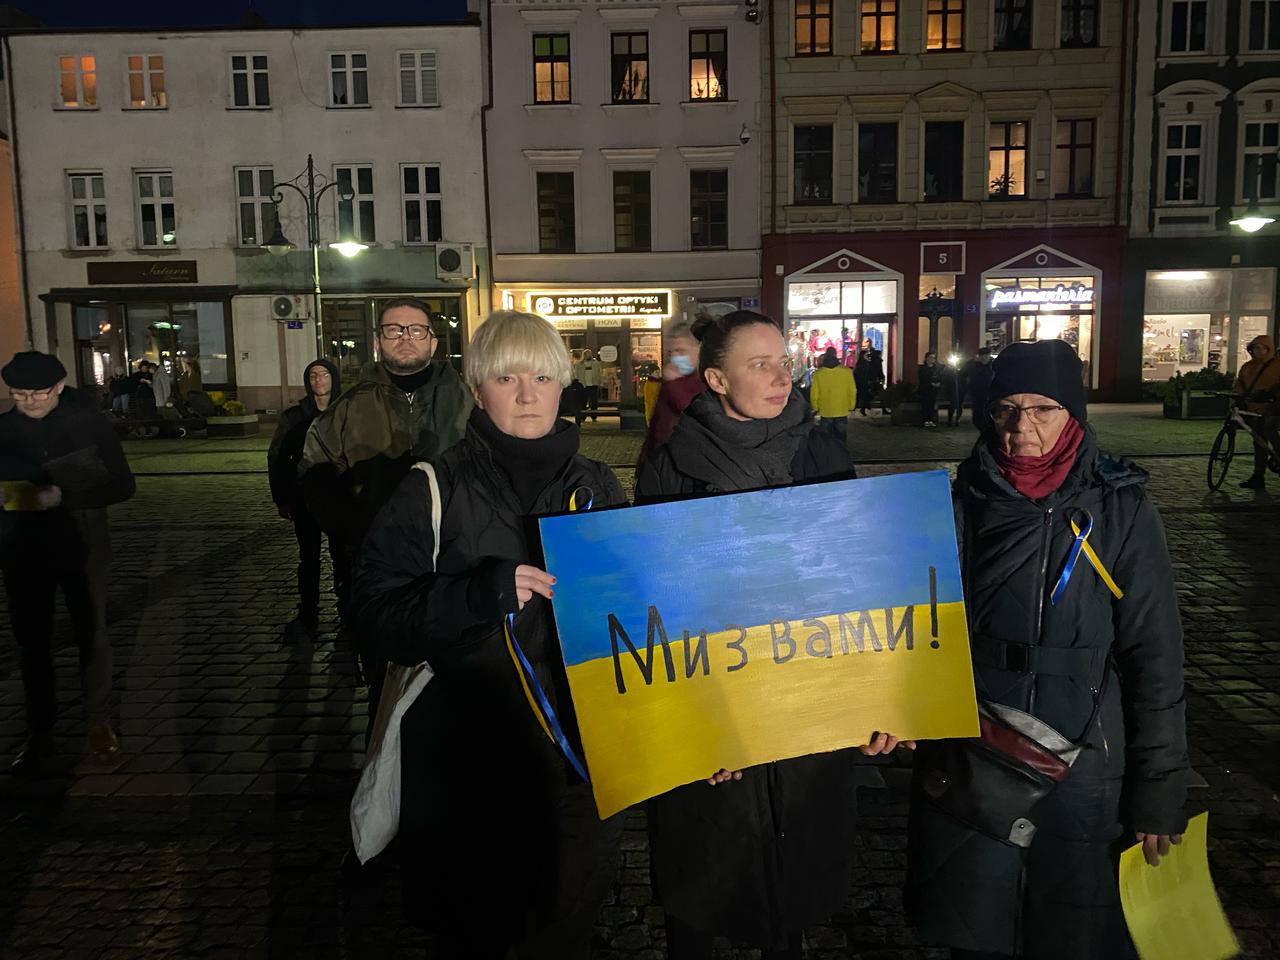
{"x": 979, "y": 401}
{"x": 928, "y": 406}
{"x": 592, "y": 402}
{"x": 688, "y": 943}
{"x": 79, "y": 569}
{"x": 308, "y": 534}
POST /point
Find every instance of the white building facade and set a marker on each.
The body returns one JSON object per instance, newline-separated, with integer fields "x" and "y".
{"x": 149, "y": 165}
{"x": 623, "y": 164}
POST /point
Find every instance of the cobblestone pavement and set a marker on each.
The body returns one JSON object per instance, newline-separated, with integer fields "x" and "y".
{"x": 219, "y": 831}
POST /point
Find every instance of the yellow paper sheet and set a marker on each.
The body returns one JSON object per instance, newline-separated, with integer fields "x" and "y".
{"x": 1173, "y": 910}
{"x": 20, "y": 495}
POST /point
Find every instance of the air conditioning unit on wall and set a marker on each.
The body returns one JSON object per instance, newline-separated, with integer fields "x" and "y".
{"x": 455, "y": 261}
{"x": 286, "y": 307}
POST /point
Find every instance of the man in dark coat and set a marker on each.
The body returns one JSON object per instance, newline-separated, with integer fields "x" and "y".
{"x": 868, "y": 374}
{"x": 323, "y": 383}
{"x": 976, "y": 376}
{"x": 1103, "y": 670}
{"x": 66, "y": 467}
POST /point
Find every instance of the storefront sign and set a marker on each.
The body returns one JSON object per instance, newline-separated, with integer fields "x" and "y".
{"x": 1010, "y": 297}
{"x": 571, "y": 325}
{"x": 141, "y": 271}
{"x": 621, "y": 304}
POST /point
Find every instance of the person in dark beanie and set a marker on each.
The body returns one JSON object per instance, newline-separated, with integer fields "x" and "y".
{"x": 64, "y": 467}
{"x": 1092, "y": 649}
{"x": 323, "y": 382}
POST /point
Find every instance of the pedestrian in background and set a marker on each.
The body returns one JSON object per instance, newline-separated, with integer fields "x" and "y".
{"x": 976, "y": 384}
{"x": 952, "y": 398}
{"x": 323, "y": 383}
{"x": 61, "y": 448}
{"x": 589, "y": 372}
{"x": 929, "y": 379}
{"x": 517, "y": 866}
{"x": 681, "y": 382}
{"x": 1092, "y": 650}
{"x": 868, "y": 374}
{"x": 1258, "y": 386}
{"x": 832, "y": 395}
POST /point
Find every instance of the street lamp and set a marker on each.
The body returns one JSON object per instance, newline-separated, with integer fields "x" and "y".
{"x": 279, "y": 245}
{"x": 1254, "y": 219}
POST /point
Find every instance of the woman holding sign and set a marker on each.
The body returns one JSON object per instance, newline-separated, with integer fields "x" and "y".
{"x": 1076, "y": 640}
{"x": 761, "y": 853}
{"x": 502, "y": 849}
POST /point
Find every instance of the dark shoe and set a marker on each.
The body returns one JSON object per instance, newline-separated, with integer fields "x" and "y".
{"x": 32, "y": 755}
{"x": 1255, "y": 483}
{"x": 102, "y": 741}
{"x": 298, "y": 631}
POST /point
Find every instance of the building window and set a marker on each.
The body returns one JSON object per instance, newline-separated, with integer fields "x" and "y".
{"x": 1073, "y": 160}
{"x": 418, "y": 84}
{"x": 945, "y": 25}
{"x": 878, "y": 163}
{"x": 813, "y": 28}
{"x": 551, "y": 68}
{"x": 1261, "y": 143}
{"x": 1079, "y": 23}
{"x": 78, "y": 82}
{"x": 1264, "y": 24}
{"x": 630, "y": 68}
{"x": 157, "y": 220}
{"x": 879, "y": 26}
{"x": 88, "y": 210}
{"x": 709, "y": 209}
{"x": 1012, "y": 25}
{"x": 811, "y": 163}
{"x": 249, "y": 84}
{"x": 255, "y": 192}
{"x": 632, "y": 216}
{"x": 557, "y": 231}
{"x": 1188, "y": 26}
{"x": 146, "y": 81}
{"x": 423, "y": 216}
{"x": 1182, "y": 163}
{"x": 1007, "y": 169}
{"x": 355, "y": 215}
{"x": 348, "y": 80}
{"x": 708, "y": 65}
{"x": 944, "y": 160}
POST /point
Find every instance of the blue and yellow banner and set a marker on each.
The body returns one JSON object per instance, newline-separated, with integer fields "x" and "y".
{"x": 736, "y": 630}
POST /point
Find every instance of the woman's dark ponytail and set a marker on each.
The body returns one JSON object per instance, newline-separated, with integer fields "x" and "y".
{"x": 714, "y": 334}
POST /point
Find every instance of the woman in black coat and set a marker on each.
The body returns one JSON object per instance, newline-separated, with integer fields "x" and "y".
{"x": 868, "y": 373}
{"x": 1103, "y": 670}
{"x": 756, "y": 854}
{"x": 503, "y": 853}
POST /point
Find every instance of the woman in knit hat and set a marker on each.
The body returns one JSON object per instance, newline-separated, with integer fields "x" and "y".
{"x": 1088, "y": 642}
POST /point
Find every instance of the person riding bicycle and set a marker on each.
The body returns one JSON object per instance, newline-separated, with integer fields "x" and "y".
{"x": 1258, "y": 387}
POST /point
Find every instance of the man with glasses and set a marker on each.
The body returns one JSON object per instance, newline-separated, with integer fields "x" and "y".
{"x": 62, "y": 467}
{"x": 406, "y": 407}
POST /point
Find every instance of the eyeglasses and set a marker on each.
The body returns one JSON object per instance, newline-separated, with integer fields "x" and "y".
{"x": 1004, "y": 412}
{"x": 415, "y": 331}
{"x": 27, "y": 395}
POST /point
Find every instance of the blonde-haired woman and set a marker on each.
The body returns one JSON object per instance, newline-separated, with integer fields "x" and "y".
{"x": 503, "y": 853}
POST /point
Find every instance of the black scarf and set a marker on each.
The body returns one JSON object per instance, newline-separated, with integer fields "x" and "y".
{"x": 529, "y": 464}
{"x": 728, "y": 454}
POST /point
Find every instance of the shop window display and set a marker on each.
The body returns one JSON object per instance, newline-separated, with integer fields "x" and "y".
{"x": 838, "y": 313}
{"x": 1041, "y": 308}
{"x": 1195, "y": 319}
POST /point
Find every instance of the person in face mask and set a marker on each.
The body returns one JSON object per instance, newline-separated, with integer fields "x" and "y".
{"x": 681, "y": 382}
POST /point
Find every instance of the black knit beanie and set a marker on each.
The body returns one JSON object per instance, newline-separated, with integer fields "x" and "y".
{"x": 1047, "y": 367}
{"x": 32, "y": 370}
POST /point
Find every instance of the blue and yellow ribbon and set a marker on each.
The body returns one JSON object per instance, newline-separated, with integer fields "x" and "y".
{"x": 533, "y": 691}
{"x": 1081, "y": 546}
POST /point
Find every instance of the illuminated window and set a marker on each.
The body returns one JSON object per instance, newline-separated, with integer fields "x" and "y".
{"x": 551, "y": 68}
{"x": 1007, "y": 170}
{"x": 146, "y": 81}
{"x": 879, "y": 26}
{"x": 78, "y": 80}
{"x": 946, "y": 25}
{"x": 813, "y": 28}
{"x": 708, "y": 65}
{"x": 630, "y": 67}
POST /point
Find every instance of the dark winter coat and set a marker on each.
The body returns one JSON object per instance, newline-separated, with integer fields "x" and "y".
{"x": 1060, "y": 900}
{"x": 768, "y": 855}
{"x": 977, "y": 377}
{"x": 868, "y": 371}
{"x": 480, "y": 780}
{"x": 360, "y": 448}
{"x": 75, "y": 448}
{"x": 291, "y": 433}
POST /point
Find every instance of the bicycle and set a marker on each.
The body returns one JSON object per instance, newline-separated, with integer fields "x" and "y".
{"x": 1224, "y": 445}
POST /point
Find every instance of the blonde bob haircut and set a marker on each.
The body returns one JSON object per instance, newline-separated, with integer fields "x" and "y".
{"x": 514, "y": 342}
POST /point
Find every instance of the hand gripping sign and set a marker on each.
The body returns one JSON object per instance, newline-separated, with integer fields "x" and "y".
{"x": 735, "y": 630}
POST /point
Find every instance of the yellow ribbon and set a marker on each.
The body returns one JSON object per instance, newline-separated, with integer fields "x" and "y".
{"x": 1097, "y": 563}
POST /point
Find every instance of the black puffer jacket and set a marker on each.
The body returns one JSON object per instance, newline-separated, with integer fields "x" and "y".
{"x": 1060, "y": 900}
{"x": 765, "y": 857}
{"x": 480, "y": 780}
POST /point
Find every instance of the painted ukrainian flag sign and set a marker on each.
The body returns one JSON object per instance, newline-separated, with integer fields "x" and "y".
{"x": 734, "y": 630}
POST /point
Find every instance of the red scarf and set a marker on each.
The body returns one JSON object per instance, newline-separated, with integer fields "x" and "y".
{"x": 1037, "y": 477}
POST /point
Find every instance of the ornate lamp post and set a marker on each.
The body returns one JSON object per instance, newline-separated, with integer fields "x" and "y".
{"x": 311, "y": 188}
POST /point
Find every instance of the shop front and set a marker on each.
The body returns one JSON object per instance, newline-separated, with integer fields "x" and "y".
{"x": 350, "y": 328}
{"x": 912, "y": 294}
